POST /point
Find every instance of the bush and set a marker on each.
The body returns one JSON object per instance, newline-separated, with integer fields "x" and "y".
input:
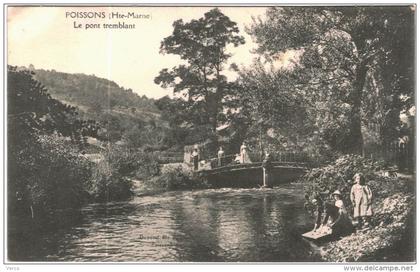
{"x": 339, "y": 176}
{"x": 107, "y": 183}
{"x": 176, "y": 178}
{"x": 132, "y": 162}
{"x": 109, "y": 179}
{"x": 45, "y": 178}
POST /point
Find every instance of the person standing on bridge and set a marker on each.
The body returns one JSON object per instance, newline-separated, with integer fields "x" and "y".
{"x": 267, "y": 167}
{"x": 195, "y": 158}
{"x": 244, "y": 154}
{"x": 220, "y": 157}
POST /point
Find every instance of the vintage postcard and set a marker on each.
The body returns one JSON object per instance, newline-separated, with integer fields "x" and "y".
{"x": 210, "y": 134}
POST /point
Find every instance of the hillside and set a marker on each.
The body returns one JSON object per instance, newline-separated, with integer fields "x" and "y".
{"x": 92, "y": 92}
{"x": 121, "y": 112}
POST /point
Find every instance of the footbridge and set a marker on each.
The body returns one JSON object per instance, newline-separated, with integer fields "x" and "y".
{"x": 252, "y": 174}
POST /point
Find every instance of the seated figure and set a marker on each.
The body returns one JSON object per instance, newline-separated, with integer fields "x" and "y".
{"x": 337, "y": 219}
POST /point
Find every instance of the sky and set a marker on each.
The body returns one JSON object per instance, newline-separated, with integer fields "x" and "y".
{"x": 46, "y": 37}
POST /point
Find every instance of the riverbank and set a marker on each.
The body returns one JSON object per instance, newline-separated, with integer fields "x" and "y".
{"x": 392, "y": 234}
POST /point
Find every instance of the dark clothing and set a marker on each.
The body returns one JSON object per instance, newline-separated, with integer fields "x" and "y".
{"x": 219, "y": 162}
{"x": 267, "y": 162}
{"x": 318, "y": 215}
{"x": 341, "y": 224}
{"x": 195, "y": 162}
{"x": 331, "y": 212}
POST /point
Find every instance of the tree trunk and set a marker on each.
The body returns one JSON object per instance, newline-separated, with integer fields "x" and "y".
{"x": 213, "y": 122}
{"x": 353, "y": 143}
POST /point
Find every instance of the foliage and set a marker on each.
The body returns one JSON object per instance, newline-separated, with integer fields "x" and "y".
{"x": 392, "y": 223}
{"x": 148, "y": 135}
{"x": 177, "y": 178}
{"x": 46, "y": 176}
{"x": 108, "y": 184}
{"x": 388, "y": 239}
{"x": 172, "y": 112}
{"x": 202, "y": 45}
{"x": 342, "y": 49}
{"x": 91, "y": 91}
{"x": 272, "y": 111}
{"x": 132, "y": 162}
{"x": 122, "y": 114}
{"x": 45, "y": 172}
{"x": 339, "y": 176}
{"x": 111, "y": 178}
{"x": 32, "y": 111}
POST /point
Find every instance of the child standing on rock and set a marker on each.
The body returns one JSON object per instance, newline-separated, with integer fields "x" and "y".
{"x": 361, "y": 198}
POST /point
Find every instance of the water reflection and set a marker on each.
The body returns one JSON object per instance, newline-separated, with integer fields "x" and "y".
{"x": 202, "y": 226}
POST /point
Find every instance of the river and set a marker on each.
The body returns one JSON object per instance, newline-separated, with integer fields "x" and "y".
{"x": 213, "y": 225}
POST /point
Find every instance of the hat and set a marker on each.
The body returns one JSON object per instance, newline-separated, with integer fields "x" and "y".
{"x": 336, "y": 192}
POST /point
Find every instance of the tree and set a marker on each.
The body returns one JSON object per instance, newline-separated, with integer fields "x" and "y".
{"x": 341, "y": 45}
{"x": 45, "y": 172}
{"x": 267, "y": 100}
{"x": 174, "y": 115}
{"x": 202, "y": 44}
{"x": 32, "y": 111}
{"x": 172, "y": 111}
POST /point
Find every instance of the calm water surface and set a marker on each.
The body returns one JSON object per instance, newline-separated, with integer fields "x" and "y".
{"x": 215, "y": 225}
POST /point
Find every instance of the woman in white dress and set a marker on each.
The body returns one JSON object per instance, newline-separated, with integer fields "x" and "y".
{"x": 244, "y": 154}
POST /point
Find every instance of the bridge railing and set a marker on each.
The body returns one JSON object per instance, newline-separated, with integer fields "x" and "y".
{"x": 292, "y": 158}
{"x": 226, "y": 160}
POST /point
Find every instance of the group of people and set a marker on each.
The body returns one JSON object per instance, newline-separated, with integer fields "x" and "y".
{"x": 334, "y": 217}
{"x": 241, "y": 157}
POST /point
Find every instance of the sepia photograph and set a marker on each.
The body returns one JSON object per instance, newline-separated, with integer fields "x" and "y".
{"x": 281, "y": 134}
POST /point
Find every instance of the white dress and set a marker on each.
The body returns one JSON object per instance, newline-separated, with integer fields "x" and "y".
{"x": 244, "y": 155}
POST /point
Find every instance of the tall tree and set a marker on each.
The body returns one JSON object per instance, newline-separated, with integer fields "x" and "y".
{"x": 341, "y": 45}
{"x": 202, "y": 44}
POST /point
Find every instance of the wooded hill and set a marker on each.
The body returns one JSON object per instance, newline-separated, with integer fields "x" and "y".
{"x": 121, "y": 112}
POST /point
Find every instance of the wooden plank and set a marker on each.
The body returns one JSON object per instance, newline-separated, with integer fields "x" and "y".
{"x": 318, "y": 234}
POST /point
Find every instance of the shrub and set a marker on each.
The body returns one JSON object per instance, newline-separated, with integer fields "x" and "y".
{"x": 339, "y": 176}
{"x": 132, "y": 162}
{"x": 110, "y": 177}
{"x": 45, "y": 178}
{"x": 176, "y": 178}
{"x": 107, "y": 184}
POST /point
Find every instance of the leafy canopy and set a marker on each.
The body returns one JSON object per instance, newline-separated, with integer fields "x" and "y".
{"x": 343, "y": 50}
{"x": 202, "y": 44}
